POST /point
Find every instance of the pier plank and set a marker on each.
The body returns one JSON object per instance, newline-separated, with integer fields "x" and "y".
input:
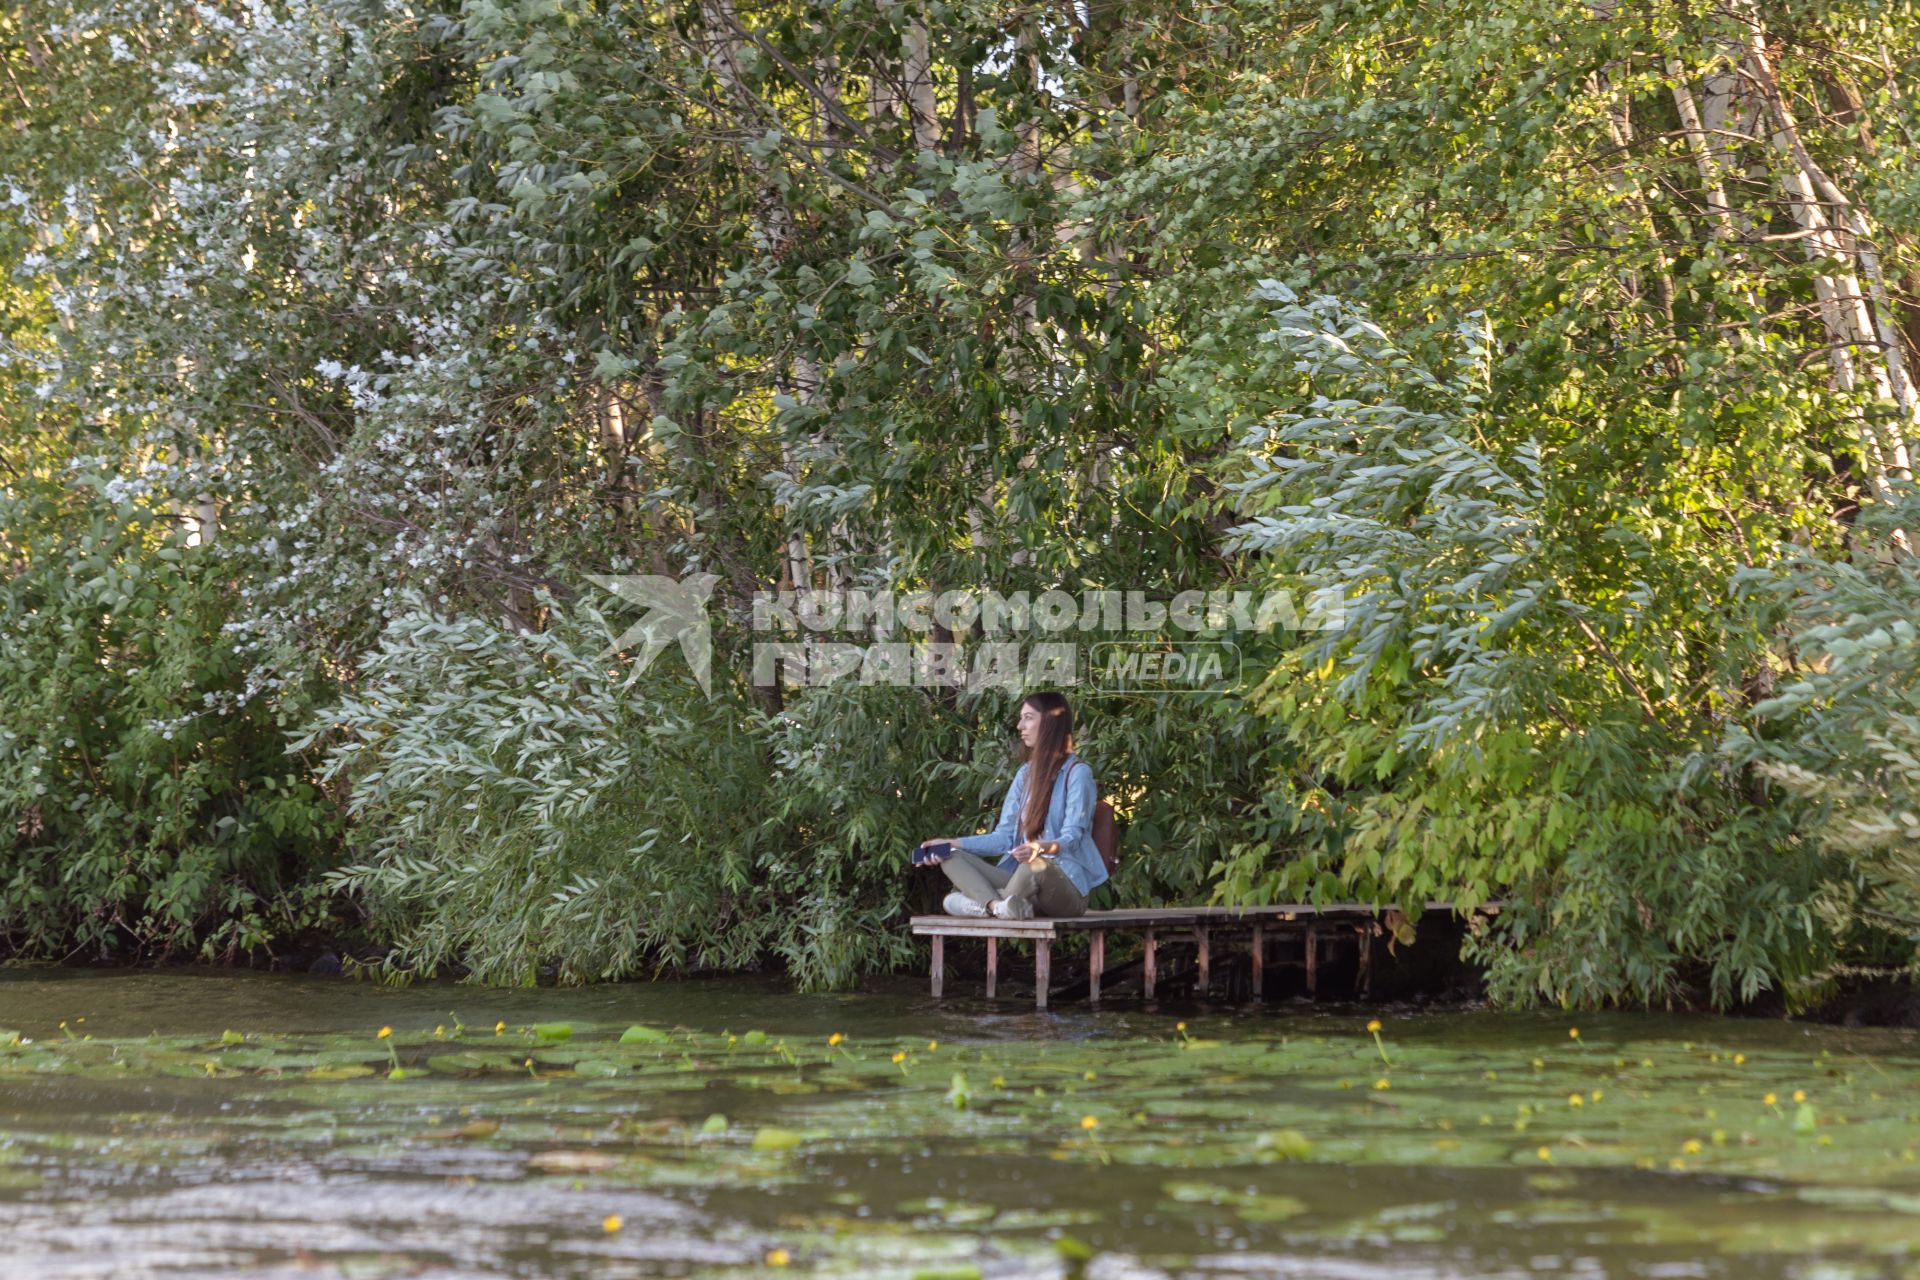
{"x": 1156, "y": 924}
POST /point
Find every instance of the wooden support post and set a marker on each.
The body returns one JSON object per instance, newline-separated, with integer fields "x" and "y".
{"x": 1147, "y": 968}
{"x": 1203, "y": 962}
{"x": 1042, "y": 971}
{"x": 939, "y": 965}
{"x": 1313, "y": 959}
{"x": 1363, "y": 938}
{"x": 1096, "y": 964}
{"x": 1259, "y": 964}
{"x": 993, "y": 966}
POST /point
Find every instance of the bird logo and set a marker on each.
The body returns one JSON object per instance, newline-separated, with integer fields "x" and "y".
{"x": 677, "y": 610}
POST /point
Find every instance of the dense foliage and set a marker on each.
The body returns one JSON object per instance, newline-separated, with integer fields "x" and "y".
{"x": 1569, "y": 343}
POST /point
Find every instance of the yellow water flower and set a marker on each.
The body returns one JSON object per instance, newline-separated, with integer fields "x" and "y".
{"x": 1089, "y": 1122}
{"x": 1739, "y": 1059}
{"x": 1691, "y": 1146}
{"x": 1769, "y": 1100}
{"x": 383, "y": 1033}
{"x": 1374, "y": 1025}
{"x": 1573, "y": 1033}
{"x": 440, "y": 1031}
{"x": 833, "y": 1041}
{"x": 1382, "y": 1083}
{"x": 1575, "y": 1100}
{"x": 1179, "y": 1026}
{"x": 1799, "y": 1095}
{"x": 1545, "y": 1153}
{"x": 778, "y": 1257}
{"x": 901, "y": 1056}
{"x": 1595, "y": 1096}
{"x": 499, "y": 1028}
{"x": 611, "y": 1223}
{"x": 1676, "y": 1163}
{"x": 932, "y": 1045}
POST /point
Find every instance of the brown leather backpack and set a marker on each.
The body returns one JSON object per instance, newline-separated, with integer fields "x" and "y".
{"x": 1106, "y": 837}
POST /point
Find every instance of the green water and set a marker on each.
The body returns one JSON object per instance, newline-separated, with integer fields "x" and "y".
{"x": 249, "y": 1125}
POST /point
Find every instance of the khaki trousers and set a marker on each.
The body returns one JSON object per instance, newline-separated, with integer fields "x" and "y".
{"x": 1040, "y": 882}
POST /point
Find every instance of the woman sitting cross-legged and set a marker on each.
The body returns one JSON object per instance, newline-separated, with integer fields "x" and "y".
{"x": 1050, "y": 862}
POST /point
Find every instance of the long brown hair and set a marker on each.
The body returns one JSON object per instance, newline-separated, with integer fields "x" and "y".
{"x": 1044, "y": 758}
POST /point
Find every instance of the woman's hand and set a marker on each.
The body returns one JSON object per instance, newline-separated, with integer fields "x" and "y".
{"x": 937, "y": 859}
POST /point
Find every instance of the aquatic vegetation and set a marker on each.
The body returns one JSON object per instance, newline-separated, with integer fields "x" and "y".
{"x": 1373, "y": 1029}
{"x": 855, "y": 1164}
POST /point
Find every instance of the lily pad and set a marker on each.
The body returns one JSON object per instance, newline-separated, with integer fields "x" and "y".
{"x": 772, "y": 1138}
{"x": 351, "y": 1072}
{"x": 474, "y": 1061}
{"x": 601, "y": 1068}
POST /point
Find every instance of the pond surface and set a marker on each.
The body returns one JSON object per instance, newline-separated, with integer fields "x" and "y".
{"x": 215, "y": 1125}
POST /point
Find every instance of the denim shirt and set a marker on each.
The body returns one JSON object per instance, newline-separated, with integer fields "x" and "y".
{"x": 1069, "y": 820}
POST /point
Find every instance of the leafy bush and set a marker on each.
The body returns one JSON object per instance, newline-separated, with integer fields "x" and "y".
{"x": 1519, "y": 705}
{"x": 518, "y": 805}
{"x": 1842, "y": 738}
{"x": 150, "y": 809}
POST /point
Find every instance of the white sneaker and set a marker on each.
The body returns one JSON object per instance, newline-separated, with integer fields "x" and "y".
{"x": 959, "y": 904}
{"x": 1013, "y": 908}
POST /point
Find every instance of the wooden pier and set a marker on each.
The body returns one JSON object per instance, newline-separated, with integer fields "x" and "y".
{"x": 1316, "y": 928}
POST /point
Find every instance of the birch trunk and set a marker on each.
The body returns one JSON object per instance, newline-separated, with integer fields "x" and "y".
{"x": 917, "y": 66}
{"x": 1729, "y": 225}
{"x": 1858, "y": 319}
